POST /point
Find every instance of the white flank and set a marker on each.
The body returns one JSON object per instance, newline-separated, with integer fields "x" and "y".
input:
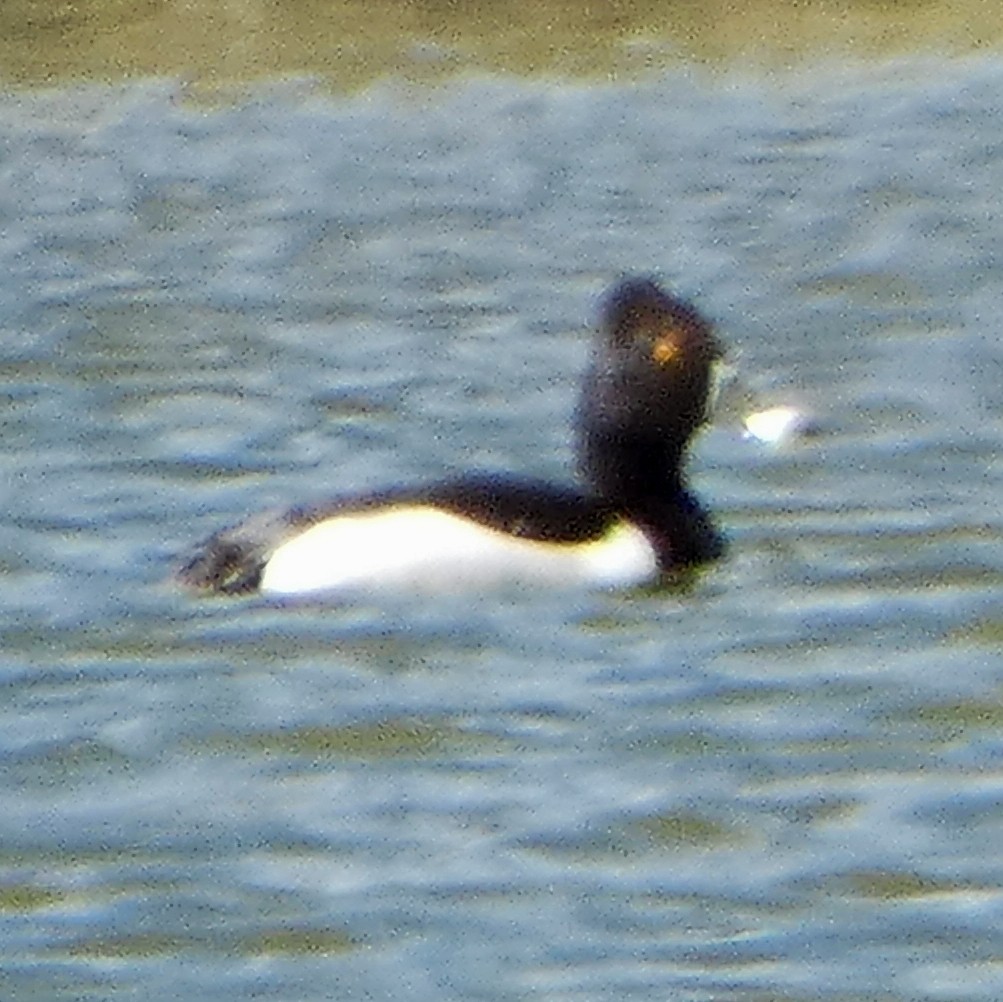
{"x": 426, "y": 549}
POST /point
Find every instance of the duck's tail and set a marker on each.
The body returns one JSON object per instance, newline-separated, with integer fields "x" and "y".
{"x": 231, "y": 561}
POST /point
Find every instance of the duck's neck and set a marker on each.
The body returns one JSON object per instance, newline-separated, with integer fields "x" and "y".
{"x": 640, "y": 474}
{"x": 630, "y": 468}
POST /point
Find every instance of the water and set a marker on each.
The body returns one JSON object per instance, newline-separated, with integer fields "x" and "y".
{"x": 784, "y": 781}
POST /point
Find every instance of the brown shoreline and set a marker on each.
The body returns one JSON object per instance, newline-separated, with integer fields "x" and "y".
{"x": 347, "y": 44}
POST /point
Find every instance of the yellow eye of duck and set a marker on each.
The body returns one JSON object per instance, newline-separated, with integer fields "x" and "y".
{"x": 664, "y": 350}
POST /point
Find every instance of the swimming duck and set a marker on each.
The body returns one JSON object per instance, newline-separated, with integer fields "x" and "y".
{"x": 634, "y": 519}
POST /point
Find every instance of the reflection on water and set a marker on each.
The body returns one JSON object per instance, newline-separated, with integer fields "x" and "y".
{"x": 782, "y": 782}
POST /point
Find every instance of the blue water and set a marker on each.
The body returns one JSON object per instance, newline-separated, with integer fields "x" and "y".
{"x": 781, "y": 782}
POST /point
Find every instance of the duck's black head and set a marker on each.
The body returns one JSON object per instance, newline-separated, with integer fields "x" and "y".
{"x": 646, "y": 394}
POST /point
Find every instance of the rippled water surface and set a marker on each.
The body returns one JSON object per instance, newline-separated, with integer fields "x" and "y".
{"x": 784, "y": 781}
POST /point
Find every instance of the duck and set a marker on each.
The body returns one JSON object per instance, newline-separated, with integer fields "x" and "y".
{"x": 629, "y": 520}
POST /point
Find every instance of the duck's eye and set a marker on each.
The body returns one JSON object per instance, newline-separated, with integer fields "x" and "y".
{"x": 664, "y": 351}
